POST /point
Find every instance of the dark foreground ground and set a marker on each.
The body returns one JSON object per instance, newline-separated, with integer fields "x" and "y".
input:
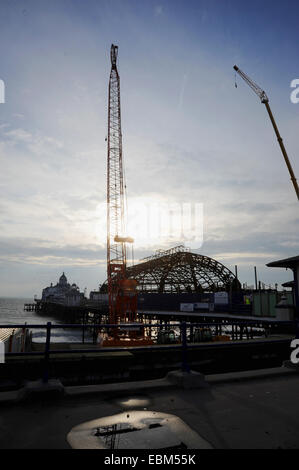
{"x": 250, "y": 413}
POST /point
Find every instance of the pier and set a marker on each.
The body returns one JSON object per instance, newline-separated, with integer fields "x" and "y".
{"x": 36, "y": 307}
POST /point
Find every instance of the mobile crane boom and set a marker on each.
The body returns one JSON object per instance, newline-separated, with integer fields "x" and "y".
{"x": 265, "y": 100}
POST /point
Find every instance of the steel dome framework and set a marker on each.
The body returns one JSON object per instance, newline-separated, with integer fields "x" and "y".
{"x": 178, "y": 270}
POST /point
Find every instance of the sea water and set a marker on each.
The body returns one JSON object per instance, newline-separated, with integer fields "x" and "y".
{"x": 12, "y": 312}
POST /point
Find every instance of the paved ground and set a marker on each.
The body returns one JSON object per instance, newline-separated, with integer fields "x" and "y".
{"x": 251, "y": 413}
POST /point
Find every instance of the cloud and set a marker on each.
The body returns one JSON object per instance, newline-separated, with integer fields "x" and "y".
{"x": 41, "y": 251}
{"x": 19, "y": 135}
{"x": 188, "y": 135}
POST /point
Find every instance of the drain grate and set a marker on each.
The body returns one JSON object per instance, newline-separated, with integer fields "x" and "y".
{"x": 119, "y": 428}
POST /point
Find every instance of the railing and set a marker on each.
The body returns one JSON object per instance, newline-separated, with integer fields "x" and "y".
{"x": 184, "y": 342}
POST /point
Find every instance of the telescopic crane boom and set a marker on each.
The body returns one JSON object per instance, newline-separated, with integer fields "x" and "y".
{"x": 265, "y": 100}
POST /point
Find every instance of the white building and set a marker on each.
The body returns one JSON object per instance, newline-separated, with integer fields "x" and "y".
{"x": 63, "y": 293}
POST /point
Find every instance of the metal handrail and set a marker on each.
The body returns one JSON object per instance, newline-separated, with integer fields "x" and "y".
{"x": 184, "y": 346}
{"x": 132, "y": 325}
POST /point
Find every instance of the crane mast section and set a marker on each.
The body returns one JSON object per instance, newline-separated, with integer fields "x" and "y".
{"x": 116, "y": 252}
{"x": 122, "y": 293}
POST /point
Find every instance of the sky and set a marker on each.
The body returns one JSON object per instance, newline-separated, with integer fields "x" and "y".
{"x": 190, "y": 136}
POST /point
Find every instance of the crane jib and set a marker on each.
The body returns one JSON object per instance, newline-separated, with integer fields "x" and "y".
{"x": 265, "y": 100}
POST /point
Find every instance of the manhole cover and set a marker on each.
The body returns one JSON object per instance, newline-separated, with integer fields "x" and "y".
{"x": 136, "y": 430}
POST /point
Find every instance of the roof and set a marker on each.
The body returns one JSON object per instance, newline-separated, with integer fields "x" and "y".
{"x": 180, "y": 271}
{"x": 285, "y": 263}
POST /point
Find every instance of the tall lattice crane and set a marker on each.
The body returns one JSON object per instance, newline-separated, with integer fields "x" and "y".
{"x": 265, "y": 100}
{"x": 121, "y": 291}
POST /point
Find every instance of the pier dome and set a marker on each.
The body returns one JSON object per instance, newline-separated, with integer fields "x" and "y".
{"x": 63, "y": 280}
{"x": 63, "y": 293}
{"x": 178, "y": 270}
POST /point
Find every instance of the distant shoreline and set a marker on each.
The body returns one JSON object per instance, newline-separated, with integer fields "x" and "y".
{"x": 16, "y": 298}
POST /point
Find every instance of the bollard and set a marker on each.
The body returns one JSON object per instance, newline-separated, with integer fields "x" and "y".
{"x": 47, "y": 351}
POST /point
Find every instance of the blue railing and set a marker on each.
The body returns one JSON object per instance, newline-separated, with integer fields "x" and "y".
{"x": 184, "y": 342}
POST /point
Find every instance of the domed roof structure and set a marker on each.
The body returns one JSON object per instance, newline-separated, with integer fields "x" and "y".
{"x": 63, "y": 279}
{"x": 178, "y": 270}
